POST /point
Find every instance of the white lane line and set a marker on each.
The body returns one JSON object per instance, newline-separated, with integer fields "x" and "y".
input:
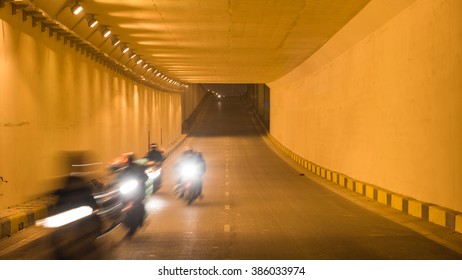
{"x": 226, "y": 193}
{"x": 227, "y": 228}
{"x": 227, "y": 206}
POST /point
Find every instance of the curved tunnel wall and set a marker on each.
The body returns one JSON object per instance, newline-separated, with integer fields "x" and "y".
{"x": 382, "y": 101}
{"x": 53, "y": 98}
{"x": 192, "y": 99}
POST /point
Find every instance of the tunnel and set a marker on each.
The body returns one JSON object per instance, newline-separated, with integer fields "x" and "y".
{"x": 363, "y": 96}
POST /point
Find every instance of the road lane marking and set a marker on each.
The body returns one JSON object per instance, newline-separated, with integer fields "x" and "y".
{"x": 227, "y": 228}
{"x": 227, "y": 206}
{"x": 226, "y": 193}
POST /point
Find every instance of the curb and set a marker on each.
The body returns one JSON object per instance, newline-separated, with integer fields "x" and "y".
{"x": 19, "y": 217}
{"x": 429, "y": 212}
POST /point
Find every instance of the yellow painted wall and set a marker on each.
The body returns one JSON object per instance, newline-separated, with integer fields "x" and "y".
{"x": 382, "y": 101}
{"x": 53, "y": 98}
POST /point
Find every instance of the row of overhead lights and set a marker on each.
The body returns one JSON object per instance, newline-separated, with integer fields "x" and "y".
{"x": 93, "y": 22}
{"x": 159, "y": 81}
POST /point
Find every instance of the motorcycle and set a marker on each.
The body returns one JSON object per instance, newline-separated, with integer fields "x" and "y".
{"x": 75, "y": 232}
{"x": 190, "y": 182}
{"x": 75, "y": 228}
{"x": 134, "y": 182}
{"x": 132, "y": 193}
{"x": 154, "y": 172}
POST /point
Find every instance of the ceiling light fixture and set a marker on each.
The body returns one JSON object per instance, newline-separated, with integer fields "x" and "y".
{"x": 92, "y": 22}
{"x": 76, "y": 9}
{"x": 106, "y": 32}
{"x": 124, "y": 48}
{"x": 115, "y": 41}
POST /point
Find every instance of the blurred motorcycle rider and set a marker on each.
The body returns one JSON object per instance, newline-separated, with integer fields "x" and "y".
{"x": 191, "y": 155}
{"x": 76, "y": 192}
{"x": 134, "y": 206}
{"x": 76, "y": 240}
{"x": 78, "y": 185}
{"x": 136, "y": 171}
{"x": 155, "y": 154}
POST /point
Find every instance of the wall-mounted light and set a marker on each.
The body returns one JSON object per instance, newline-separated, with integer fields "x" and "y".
{"x": 139, "y": 61}
{"x": 124, "y": 48}
{"x": 92, "y": 22}
{"x": 115, "y": 41}
{"x": 105, "y": 32}
{"x": 132, "y": 55}
{"x": 76, "y": 9}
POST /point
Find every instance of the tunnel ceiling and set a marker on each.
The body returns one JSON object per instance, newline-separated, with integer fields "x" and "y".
{"x": 210, "y": 41}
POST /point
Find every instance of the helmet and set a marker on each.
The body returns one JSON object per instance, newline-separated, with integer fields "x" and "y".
{"x": 188, "y": 151}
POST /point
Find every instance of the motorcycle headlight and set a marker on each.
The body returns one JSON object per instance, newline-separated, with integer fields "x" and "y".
{"x": 189, "y": 171}
{"x": 128, "y": 186}
{"x": 153, "y": 174}
{"x": 66, "y": 217}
